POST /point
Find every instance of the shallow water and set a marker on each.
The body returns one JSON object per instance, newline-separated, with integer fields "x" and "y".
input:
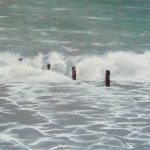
{"x": 74, "y": 116}
{"x": 44, "y": 109}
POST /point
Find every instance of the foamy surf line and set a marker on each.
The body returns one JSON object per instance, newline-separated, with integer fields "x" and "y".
{"x": 124, "y": 66}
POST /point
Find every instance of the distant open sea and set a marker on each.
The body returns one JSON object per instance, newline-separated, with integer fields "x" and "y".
{"x": 44, "y": 109}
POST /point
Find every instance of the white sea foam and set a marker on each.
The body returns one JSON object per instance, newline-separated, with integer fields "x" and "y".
{"x": 97, "y": 18}
{"x": 124, "y": 66}
{"x": 3, "y": 17}
{"x": 70, "y": 115}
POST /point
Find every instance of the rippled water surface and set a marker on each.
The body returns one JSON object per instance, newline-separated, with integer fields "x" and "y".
{"x": 44, "y": 109}
{"x": 74, "y": 116}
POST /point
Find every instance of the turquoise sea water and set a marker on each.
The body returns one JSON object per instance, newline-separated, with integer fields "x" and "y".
{"x": 96, "y": 26}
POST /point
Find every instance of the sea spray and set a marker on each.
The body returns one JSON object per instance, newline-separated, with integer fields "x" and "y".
{"x": 124, "y": 66}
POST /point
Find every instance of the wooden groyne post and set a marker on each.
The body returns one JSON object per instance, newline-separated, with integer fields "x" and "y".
{"x": 73, "y": 73}
{"x": 20, "y": 59}
{"x": 48, "y": 66}
{"x": 107, "y": 78}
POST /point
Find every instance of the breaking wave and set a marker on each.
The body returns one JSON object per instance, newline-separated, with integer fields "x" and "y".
{"x": 124, "y": 66}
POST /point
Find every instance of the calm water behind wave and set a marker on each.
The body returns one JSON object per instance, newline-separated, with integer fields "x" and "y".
{"x": 74, "y": 27}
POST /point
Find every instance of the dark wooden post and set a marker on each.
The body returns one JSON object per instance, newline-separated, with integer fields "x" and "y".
{"x": 49, "y": 66}
{"x": 20, "y": 59}
{"x": 73, "y": 73}
{"x": 107, "y": 78}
